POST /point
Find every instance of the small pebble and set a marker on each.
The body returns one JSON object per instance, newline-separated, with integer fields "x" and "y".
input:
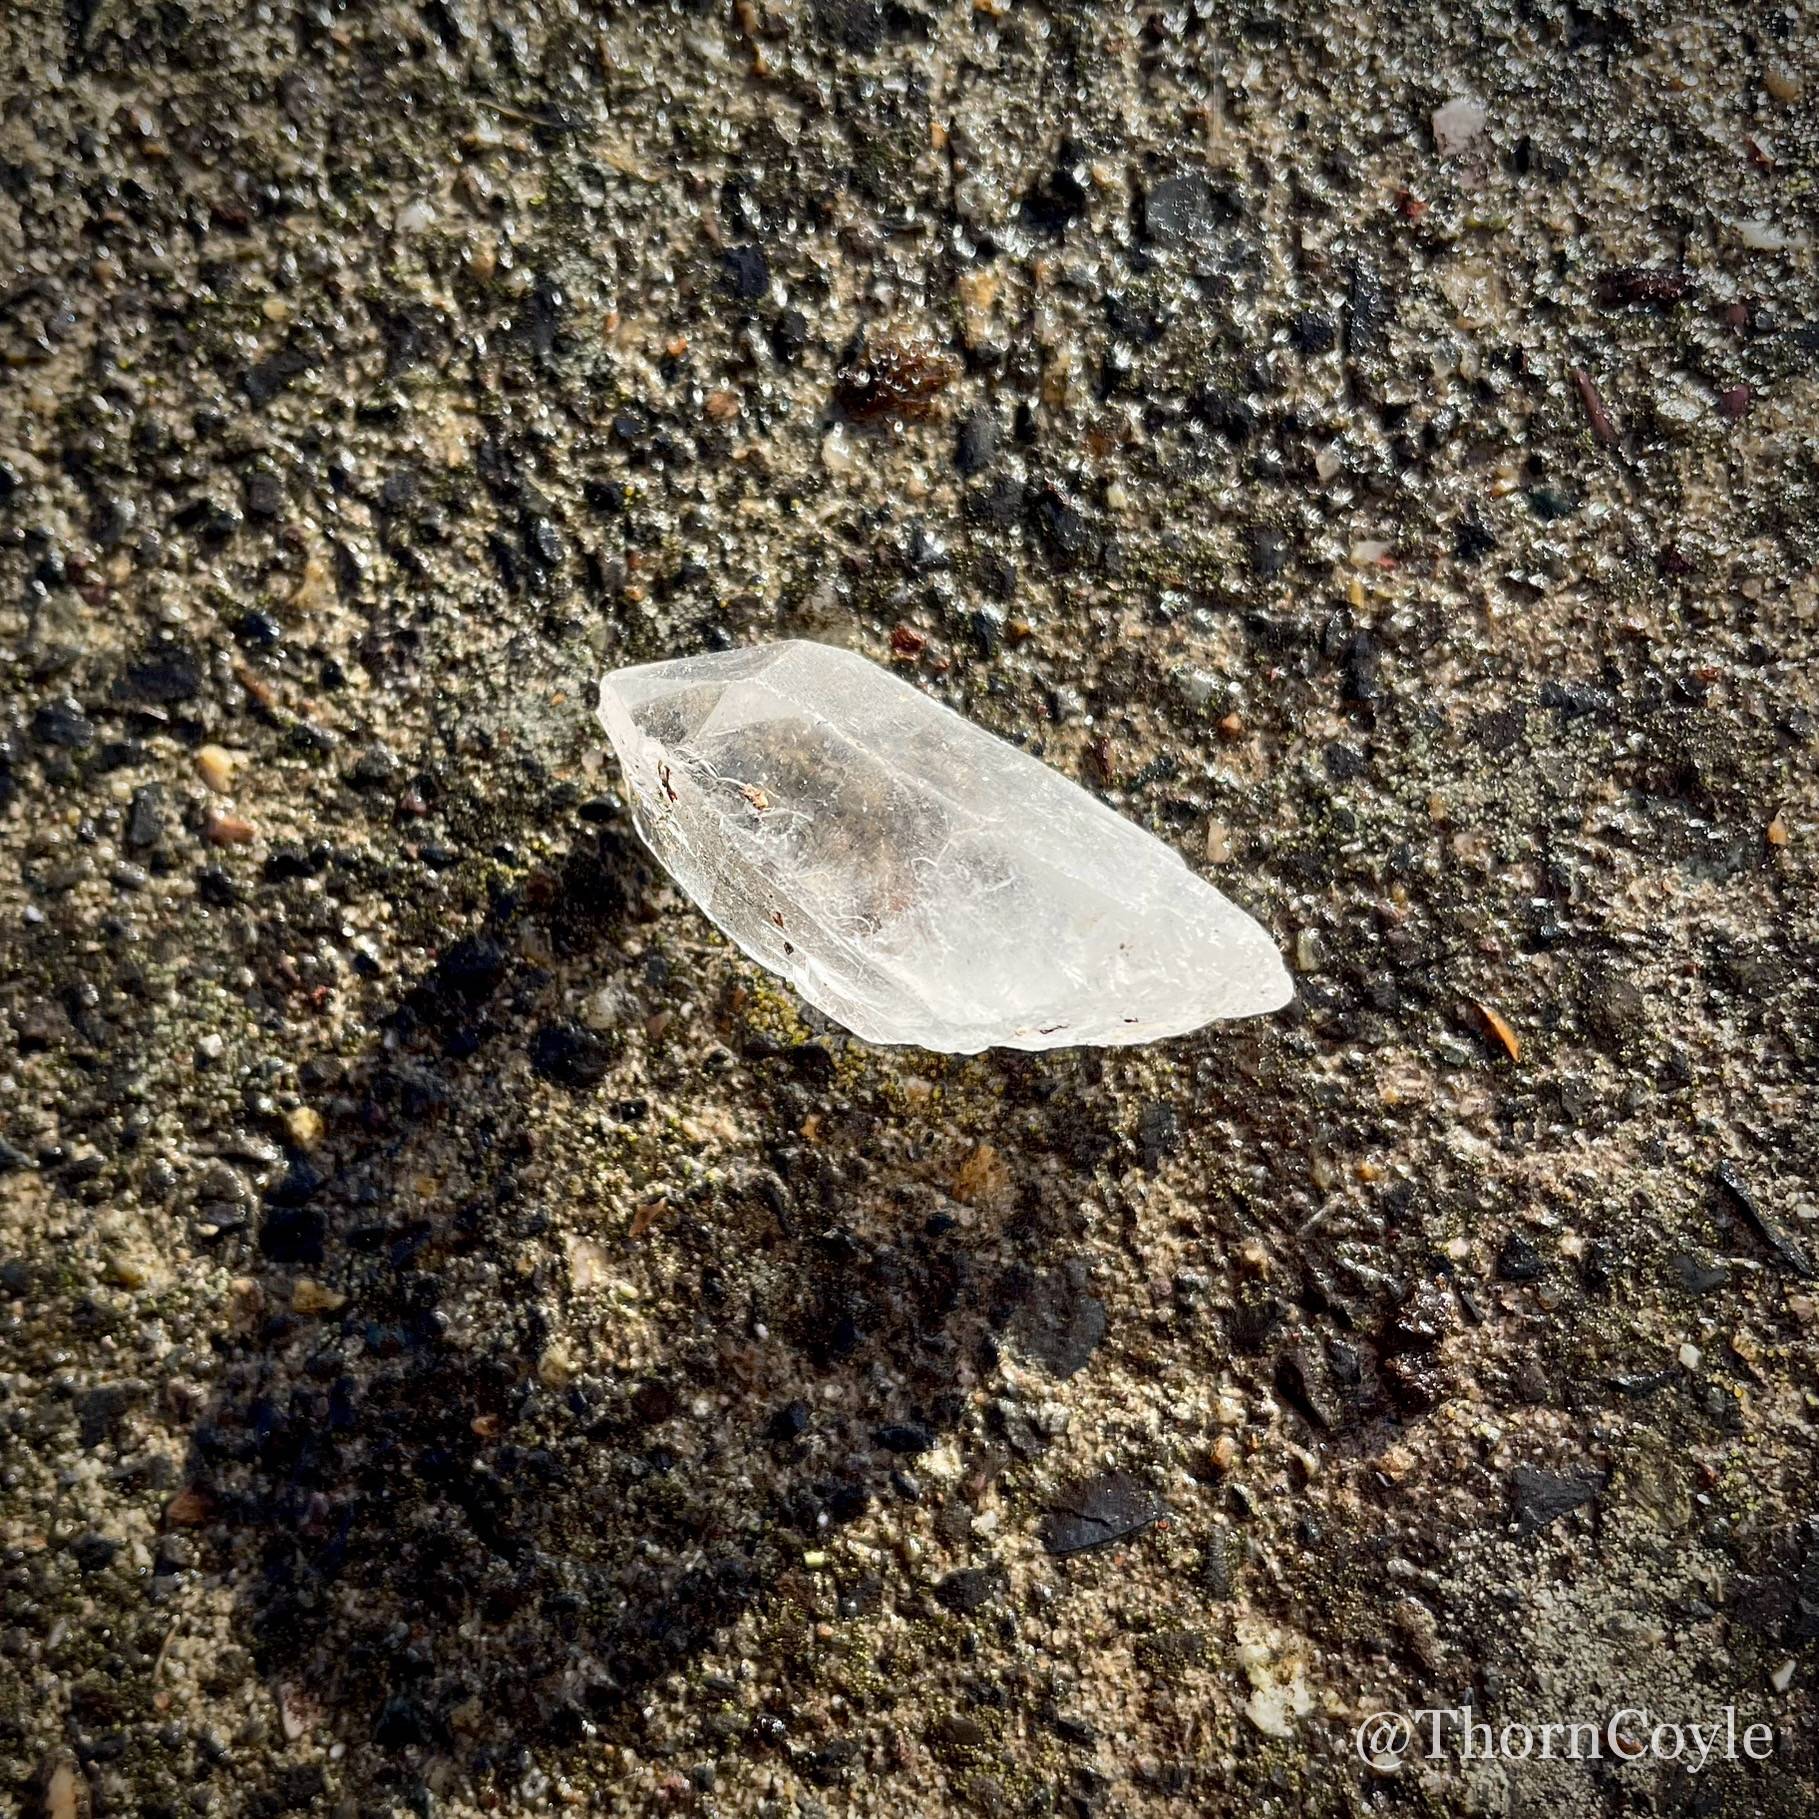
{"x": 1782, "y": 83}
{"x": 1457, "y": 125}
{"x": 215, "y": 766}
{"x": 309, "y": 1296}
{"x": 303, "y": 1125}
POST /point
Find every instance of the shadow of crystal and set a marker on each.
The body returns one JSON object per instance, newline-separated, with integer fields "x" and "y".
{"x": 462, "y": 1563}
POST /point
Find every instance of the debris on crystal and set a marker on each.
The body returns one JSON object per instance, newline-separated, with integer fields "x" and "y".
{"x": 914, "y": 877}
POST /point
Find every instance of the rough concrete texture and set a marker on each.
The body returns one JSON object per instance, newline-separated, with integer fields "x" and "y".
{"x": 468, "y": 1343}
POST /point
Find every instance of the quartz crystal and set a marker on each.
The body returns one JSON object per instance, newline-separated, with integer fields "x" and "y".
{"x": 913, "y": 876}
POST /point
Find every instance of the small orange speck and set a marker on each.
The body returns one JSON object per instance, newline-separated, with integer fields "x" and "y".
{"x": 1500, "y": 1028}
{"x": 1776, "y": 832}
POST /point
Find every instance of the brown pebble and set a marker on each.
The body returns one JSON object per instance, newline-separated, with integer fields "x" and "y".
{"x": 188, "y": 1509}
{"x": 1604, "y": 429}
{"x": 1232, "y": 726}
{"x": 1776, "y": 832}
{"x": 906, "y": 641}
{"x": 983, "y": 1177}
{"x": 895, "y": 376}
{"x": 230, "y": 830}
{"x": 1642, "y": 284}
{"x": 721, "y": 407}
{"x": 1782, "y": 83}
{"x": 1734, "y": 401}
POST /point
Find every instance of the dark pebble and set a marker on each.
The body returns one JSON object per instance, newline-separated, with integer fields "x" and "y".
{"x": 1642, "y": 284}
{"x": 1518, "y": 1260}
{"x": 216, "y": 888}
{"x": 113, "y": 521}
{"x": 64, "y": 725}
{"x": 1785, "y": 1247}
{"x": 1295, "y": 1384}
{"x": 1472, "y": 542}
{"x": 1699, "y": 1275}
{"x": 998, "y": 505}
{"x": 1059, "y": 1326}
{"x": 1314, "y": 332}
{"x": 570, "y": 1055}
{"x": 1183, "y": 211}
{"x": 1345, "y": 763}
{"x": 148, "y": 815}
{"x": 470, "y": 970}
{"x": 1158, "y": 1133}
{"x": 1267, "y": 551}
{"x": 971, "y": 1587}
{"x": 789, "y": 1422}
{"x": 1615, "y": 1006}
{"x": 264, "y": 494}
{"x": 905, "y": 1438}
{"x": 1100, "y": 1511}
{"x": 258, "y": 631}
{"x": 1538, "y": 1497}
{"x": 745, "y": 273}
{"x": 402, "y": 1723}
{"x": 1054, "y": 202}
{"x": 789, "y": 336}
{"x": 376, "y": 767}
{"x": 294, "y": 1235}
{"x": 300, "y": 1183}
{"x": 975, "y": 442}
{"x": 94, "y": 1553}
{"x": 166, "y": 671}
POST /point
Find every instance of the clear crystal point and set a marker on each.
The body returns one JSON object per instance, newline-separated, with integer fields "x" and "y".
{"x": 913, "y": 876}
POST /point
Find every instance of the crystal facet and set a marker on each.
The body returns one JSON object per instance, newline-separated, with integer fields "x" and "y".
{"x": 913, "y": 876}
